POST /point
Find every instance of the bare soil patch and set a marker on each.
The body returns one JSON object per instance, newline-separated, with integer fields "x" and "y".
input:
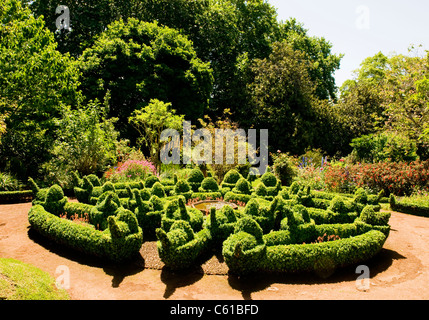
{"x": 400, "y": 271}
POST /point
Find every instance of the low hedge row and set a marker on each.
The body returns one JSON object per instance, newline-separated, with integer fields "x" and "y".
{"x": 119, "y": 242}
{"x": 7, "y": 197}
{"x": 413, "y": 209}
{"x": 321, "y": 257}
{"x": 247, "y": 252}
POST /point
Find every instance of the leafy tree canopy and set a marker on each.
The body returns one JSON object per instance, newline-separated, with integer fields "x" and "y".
{"x": 138, "y": 61}
{"x": 36, "y": 82}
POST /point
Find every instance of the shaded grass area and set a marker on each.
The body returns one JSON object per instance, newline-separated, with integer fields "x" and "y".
{"x": 21, "y": 281}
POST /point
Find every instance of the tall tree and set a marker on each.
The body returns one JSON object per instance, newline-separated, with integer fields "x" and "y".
{"x": 36, "y": 81}
{"x": 282, "y": 98}
{"x": 137, "y": 61}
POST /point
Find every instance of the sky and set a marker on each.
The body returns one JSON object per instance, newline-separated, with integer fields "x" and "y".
{"x": 360, "y": 29}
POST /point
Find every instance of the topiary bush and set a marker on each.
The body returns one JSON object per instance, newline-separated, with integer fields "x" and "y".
{"x": 230, "y": 179}
{"x": 120, "y": 242}
{"x": 408, "y": 208}
{"x": 148, "y": 218}
{"x": 55, "y": 200}
{"x": 269, "y": 179}
{"x": 179, "y": 247}
{"x": 221, "y": 224}
{"x": 243, "y": 187}
{"x": 106, "y": 206}
{"x": 244, "y": 250}
{"x": 195, "y": 179}
{"x": 183, "y": 188}
{"x": 209, "y": 184}
{"x": 177, "y": 210}
{"x": 150, "y": 181}
{"x": 158, "y": 190}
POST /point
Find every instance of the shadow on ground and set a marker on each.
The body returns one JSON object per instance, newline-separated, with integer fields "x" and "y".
{"x": 258, "y": 282}
{"x": 246, "y": 285}
{"x": 119, "y": 271}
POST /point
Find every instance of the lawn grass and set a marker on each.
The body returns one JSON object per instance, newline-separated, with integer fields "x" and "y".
{"x": 21, "y": 281}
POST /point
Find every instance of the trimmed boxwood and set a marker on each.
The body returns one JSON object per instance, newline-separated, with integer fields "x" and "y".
{"x": 7, "y": 197}
{"x": 221, "y": 224}
{"x": 177, "y": 210}
{"x": 209, "y": 184}
{"x": 149, "y": 219}
{"x": 322, "y": 257}
{"x": 183, "y": 188}
{"x": 413, "y": 209}
{"x": 245, "y": 248}
{"x": 230, "y": 179}
{"x": 206, "y": 195}
{"x": 195, "y": 179}
{"x": 121, "y": 241}
{"x": 230, "y": 196}
{"x": 180, "y": 247}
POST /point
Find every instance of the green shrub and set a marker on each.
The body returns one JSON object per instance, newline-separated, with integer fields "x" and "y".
{"x": 195, "y": 179}
{"x": 284, "y": 168}
{"x": 206, "y": 195}
{"x": 148, "y": 219}
{"x": 150, "y": 181}
{"x": 8, "y": 182}
{"x": 231, "y": 196}
{"x": 322, "y": 257}
{"x": 55, "y": 200}
{"x": 409, "y": 208}
{"x": 180, "y": 247}
{"x": 209, "y": 184}
{"x": 277, "y": 238}
{"x": 182, "y": 186}
{"x": 157, "y": 203}
{"x": 118, "y": 243}
{"x": 7, "y": 197}
{"x": 158, "y": 190}
{"x": 95, "y": 181}
{"x": 261, "y": 190}
{"x": 370, "y": 216}
{"x": 269, "y": 179}
{"x": 106, "y": 206}
{"x": 177, "y": 210}
{"x": 244, "y": 250}
{"x": 339, "y": 205}
{"x": 231, "y": 178}
{"x": 243, "y": 187}
{"x": 221, "y": 224}
{"x": 294, "y": 187}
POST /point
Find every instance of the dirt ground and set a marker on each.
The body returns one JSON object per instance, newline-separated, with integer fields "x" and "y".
{"x": 400, "y": 271}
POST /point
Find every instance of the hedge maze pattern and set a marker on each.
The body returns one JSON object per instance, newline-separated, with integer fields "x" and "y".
{"x": 280, "y": 229}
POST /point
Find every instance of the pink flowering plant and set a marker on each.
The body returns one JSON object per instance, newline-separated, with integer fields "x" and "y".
{"x": 131, "y": 170}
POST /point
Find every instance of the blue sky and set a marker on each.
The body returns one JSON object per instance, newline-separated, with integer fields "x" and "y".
{"x": 360, "y": 29}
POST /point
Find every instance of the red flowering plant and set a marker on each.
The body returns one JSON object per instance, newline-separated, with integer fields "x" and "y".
{"x": 399, "y": 178}
{"x": 131, "y": 170}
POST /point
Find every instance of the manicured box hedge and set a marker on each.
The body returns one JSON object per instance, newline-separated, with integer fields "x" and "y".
{"x": 180, "y": 247}
{"x": 7, "y": 197}
{"x": 121, "y": 241}
{"x": 413, "y": 209}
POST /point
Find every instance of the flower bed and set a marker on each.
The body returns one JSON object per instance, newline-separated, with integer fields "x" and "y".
{"x": 396, "y": 178}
